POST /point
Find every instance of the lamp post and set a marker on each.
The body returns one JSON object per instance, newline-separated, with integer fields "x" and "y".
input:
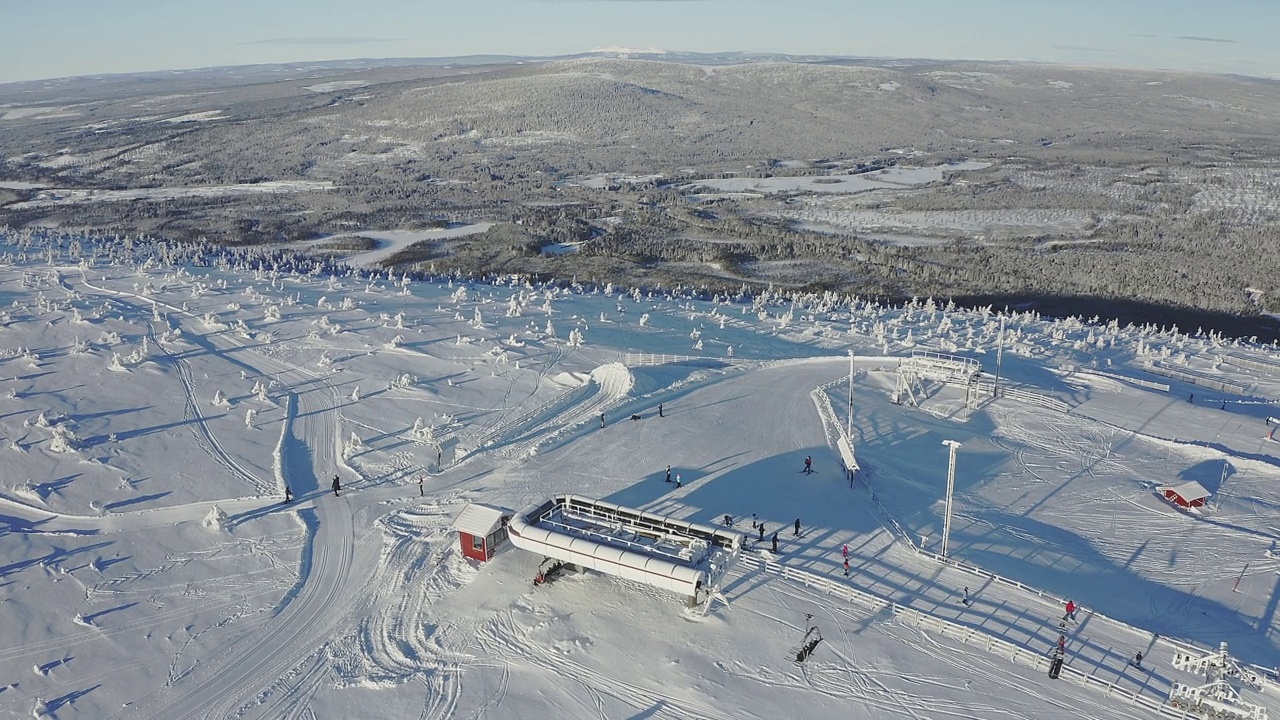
{"x": 849, "y": 430}
{"x": 951, "y": 485}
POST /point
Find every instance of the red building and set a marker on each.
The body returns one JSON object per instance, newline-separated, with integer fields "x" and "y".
{"x": 482, "y": 529}
{"x": 1188, "y": 494}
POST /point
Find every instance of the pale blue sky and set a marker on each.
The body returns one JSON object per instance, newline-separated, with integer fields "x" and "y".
{"x": 55, "y": 38}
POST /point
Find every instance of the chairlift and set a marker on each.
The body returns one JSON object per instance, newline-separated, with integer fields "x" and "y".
{"x": 549, "y": 570}
{"x": 809, "y": 643}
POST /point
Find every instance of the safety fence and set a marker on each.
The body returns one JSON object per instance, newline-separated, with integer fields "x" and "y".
{"x": 1265, "y": 364}
{"x": 965, "y": 634}
{"x": 643, "y": 359}
{"x": 1194, "y": 377}
{"x": 1149, "y": 384}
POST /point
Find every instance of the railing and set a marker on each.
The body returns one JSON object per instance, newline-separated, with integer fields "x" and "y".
{"x": 1268, "y": 365}
{"x": 642, "y": 359}
{"x": 968, "y": 635}
{"x": 1149, "y": 384}
{"x": 1197, "y": 378}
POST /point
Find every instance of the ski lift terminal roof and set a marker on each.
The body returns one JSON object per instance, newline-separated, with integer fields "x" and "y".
{"x": 665, "y": 552}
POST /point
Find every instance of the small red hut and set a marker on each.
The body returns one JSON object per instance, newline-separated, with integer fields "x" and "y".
{"x": 482, "y": 529}
{"x": 1188, "y": 494}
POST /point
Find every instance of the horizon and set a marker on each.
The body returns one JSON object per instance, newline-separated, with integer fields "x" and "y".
{"x": 146, "y": 37}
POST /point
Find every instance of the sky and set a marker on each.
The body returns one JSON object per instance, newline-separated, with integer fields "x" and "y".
{"x": 60, "y": 38}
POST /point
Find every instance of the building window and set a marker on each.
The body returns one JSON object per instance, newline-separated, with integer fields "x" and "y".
{"x": 477, "y": 542}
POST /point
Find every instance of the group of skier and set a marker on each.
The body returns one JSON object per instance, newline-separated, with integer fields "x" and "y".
{"x": 337, "y": 487}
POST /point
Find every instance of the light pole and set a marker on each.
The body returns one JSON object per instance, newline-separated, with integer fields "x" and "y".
{"x": 995, "y": 387}
{"x": 849, "y": 431}
{"x": 951, "y": 486}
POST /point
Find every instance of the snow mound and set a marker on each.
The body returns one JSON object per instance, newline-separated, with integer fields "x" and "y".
{"x": 215, "y": 520}
{"x": 570, "y": 379}
{"x": 614, "y": 378}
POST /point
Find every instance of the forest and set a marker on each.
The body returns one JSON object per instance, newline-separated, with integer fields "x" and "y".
{"x": 1129, "y": 194}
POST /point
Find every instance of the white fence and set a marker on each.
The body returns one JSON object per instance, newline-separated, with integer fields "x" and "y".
{"x": 972, "y": 636}
{"x": 1212, "y": 382}
{"x": 1149, "y": 384}
{"x": 1265, "y": 364}
{"x": 641, "y": 359}
{"x": 968, "y": 635}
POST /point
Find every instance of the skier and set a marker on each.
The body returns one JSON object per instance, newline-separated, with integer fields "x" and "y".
{"x": 601, "y": 419}
{"x": 761, "y": 526}
{"x": 1137, "y": 660}
{"x": 1191, "y": 398}
{"x": 1071, "y": 611}
{"x": 336, "y": 486}
{"x": 728, "y": 520}
{"x": 808, "y": 465}
{"x": 775, "y": 542}
{"x": 668, "y": 473}
{"x": 846, "y": 567}
{"x": 288, "y": 494}
{"x": 421, "y": 493}
{"x": 754, "y": 521}
{"x": 966, "y": 599}
{"x": 845, "y": 551}
{"x": 678, "y": 483}
{"x": 660, "y": 410}
{"x": 797, "y": 532}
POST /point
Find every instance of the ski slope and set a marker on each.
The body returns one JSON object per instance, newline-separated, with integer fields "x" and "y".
{"x": 144, "y": 387}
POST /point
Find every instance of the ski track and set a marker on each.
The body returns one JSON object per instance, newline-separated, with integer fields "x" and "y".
{"x": 204, "y": 437}
{"x": 501, "y": 637}
{"x": 244, "y": 680}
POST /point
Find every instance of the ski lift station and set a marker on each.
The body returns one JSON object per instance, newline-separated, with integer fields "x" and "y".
{"x": 1190, "y": 494}
{"x": 482, "y": 529}
{"x": 675, "y": 555}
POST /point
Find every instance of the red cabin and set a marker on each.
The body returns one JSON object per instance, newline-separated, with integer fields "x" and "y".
{"x": 482, "y": 530}
{"x": 1188, "y": 494}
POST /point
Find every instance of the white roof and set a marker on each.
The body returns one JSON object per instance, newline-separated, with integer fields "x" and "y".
{"x": 478, "y": 519}
{"x": 1189, "y": 491}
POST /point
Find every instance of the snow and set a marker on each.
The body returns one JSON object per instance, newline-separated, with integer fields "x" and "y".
{"x": 203, "y": 116}
{"x": 892, "y": 177}
{"x": 72, "y": 196}
{"x": 391, "y": 242}
{"x": 152, "y": 570}
{"x": 336, "y": 85}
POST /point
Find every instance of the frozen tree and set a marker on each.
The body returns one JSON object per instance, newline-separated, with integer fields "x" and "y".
{"x": 550, "y": 329}
{"x": 219, "y": 398}
{"x": 575, "y": 338}
{"x": 63, "y": 439}
{"x": 215, "y": 519}
{"x": 248, "y": 417}
{"x": 355, "y": 394}
{"x": 644, "y": 320}
{"x": 353, "y": 445}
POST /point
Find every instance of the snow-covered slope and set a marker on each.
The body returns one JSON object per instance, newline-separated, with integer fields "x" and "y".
{"x": 157, "y": 402}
